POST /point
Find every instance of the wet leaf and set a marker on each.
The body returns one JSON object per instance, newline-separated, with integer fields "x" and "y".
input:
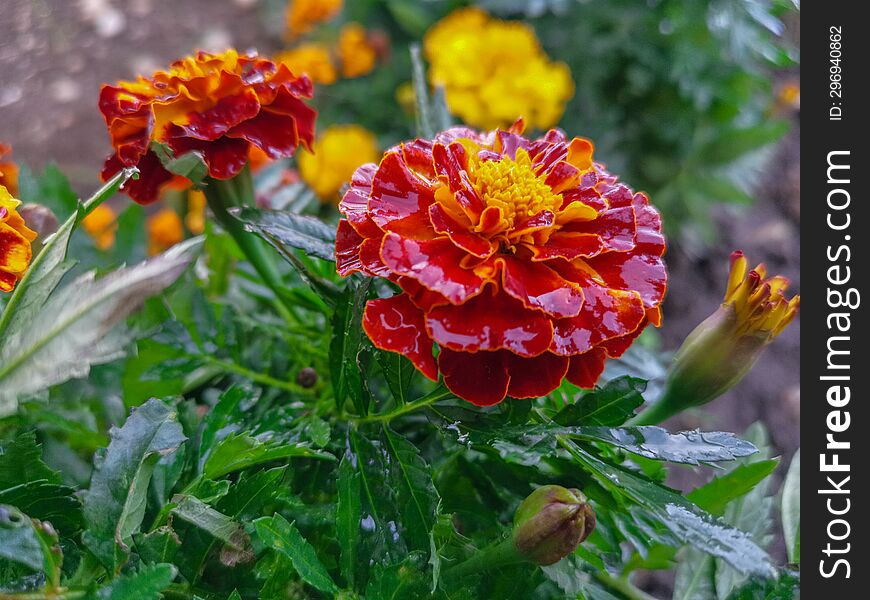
{"x": 145, "y": 584}
{"x": 715, "y": 496}
{"x": 237, "y": 452}
{"x": 283, "y": 228}
{"x": 236, "y": 544}
{"x": 47, "y": 502}
{"x": 115, "y": 503}
{"x": 346, "y": 349}
{"x": 283, "y": 537}
{"x": 791, "y": 509}
{"x": 349, "y": 515}
{"x": 612, "y": 404}
{"x": 158, "y": 546}
{"x": 19, "y": 541}
{"x": 21, "y": 461}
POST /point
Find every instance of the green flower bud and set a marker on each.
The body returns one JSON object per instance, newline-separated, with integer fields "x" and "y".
{"x": 723, "y": 348}
{"x": 550, "y": 523}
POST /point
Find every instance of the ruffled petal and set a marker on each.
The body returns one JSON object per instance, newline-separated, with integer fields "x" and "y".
{"x": 355, "y": 202}
{"x": 490, "y": 322}
{"x": 434, "y": 263}
{"x": 400, "y": 199}
{"x": 396, "y": 325}
{"x": 480, "y": 378}
{"x": 347, "y": 246}
{"x": 153, "y": 177}
{"x": 535, "y": 377}
{"x": 585, "y": 369}
{"x": 539, "y": 287}
{"x": 445, "y": 223}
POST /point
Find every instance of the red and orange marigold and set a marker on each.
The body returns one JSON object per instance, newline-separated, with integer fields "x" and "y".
{"x": 524, "y": 260}
{"x": 220, "y": 105}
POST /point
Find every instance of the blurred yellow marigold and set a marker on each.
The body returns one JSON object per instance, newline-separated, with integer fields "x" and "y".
{"x": 311, "y": 59}
{"x": 194, "y": 220}
{"x": 15, "y": 239}
{"x": 303, "y": 15}
{"x": 337, "y": 154}
{"x": 8, "y": 170}
{"x": 101, "y": 224}
{"x": 357, "y": 55}
{"x": 494, "y": 71}
{"x": 164, "y": 230}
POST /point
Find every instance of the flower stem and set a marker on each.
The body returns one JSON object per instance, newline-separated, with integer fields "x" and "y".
{"x": 257, "y": 377}
{"x": 657, "y": 413}
{"x": 223, "y": 194}
{"x": 407, "y": 408}
{"x": 498, "y": 555}
{"x": 623, "y": 587}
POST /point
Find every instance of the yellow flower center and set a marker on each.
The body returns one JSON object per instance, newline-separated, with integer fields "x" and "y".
{"x": 514, "y": 188}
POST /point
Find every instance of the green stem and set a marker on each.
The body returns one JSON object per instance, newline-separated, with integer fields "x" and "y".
{"x": 257, "y": 377}
{"x": 222, "y": 194}
{"x": 406, "y": 408}
{"x": 498, "y": 555}
{"x": 623, "y": 587}
{"x": 659, "y": 412}
{"x": 67, "y": 595}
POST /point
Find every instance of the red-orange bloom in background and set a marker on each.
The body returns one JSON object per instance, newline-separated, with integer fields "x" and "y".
{"x": 217, "y": 104}
{"x": 8, "y": 169}
{"x": 524, "y": 260}
{"x": 15, "y": 240}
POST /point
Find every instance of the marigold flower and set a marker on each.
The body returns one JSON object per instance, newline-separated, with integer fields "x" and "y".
{"x": 217, "y": 104}
{"x": 723, "y": 348}
{"x": 311, "y": 59}
{"x": 8, "y": 170}
{"x": 524, "y": 260}
{"x": 337, "y": 154}
{"x": 15, "y": 240}
{"x": 493, "y": 71}
{"x": 304, "y": 15}
{"x": 194, "y": 219}
{"x": 357, "y": 55}
{"x": 101, "y": 224}
{"x": 164, "y": 231}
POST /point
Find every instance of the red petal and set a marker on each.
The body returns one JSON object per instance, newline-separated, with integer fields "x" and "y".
{"x": 451, "y": 164}
{"x": 535, "y": 377}
{"x": 630, "y": 271}
{"x": 228, "y": 112}
{"x": 580, "y": 153}
{"x": 605, "y": 314}
{"x": 490, "y": 322}
{"x": 418, "y": 157}
{"x": 355, "y": 203}
{"x": 400, "y": 199}
{"x": 562, "y": 176}
{"x": 616, "y": 347}
{"x": 459, "y": 233}
{"x": 225, "y": 157}
{"x": 568, "y": 245}
{"x": 434, "y": 263}
{"x": 152, "y": 177}
{"x": 347, "y": 246}
{"x": 396, "y": 325}
{"x": 480, "y": 378}
{"x": 585, "y": 369}
{"x": 538, "y": 286}
{"x": 616, "y": 228}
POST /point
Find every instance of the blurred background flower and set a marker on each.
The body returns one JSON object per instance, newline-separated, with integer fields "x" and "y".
{"x": 338, "y": 151}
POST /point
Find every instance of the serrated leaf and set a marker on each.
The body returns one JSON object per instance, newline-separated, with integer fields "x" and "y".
{"x": 115, "y": 503}
{"x": 715, "y": 495}
{"x": 403, "y": 581}
{"x": 237, "y": 452}
{"x": 158, "y": 546}
{"x": 612, "y": 404}
{"x": 236, "y": 547}
{"x": 348, "y": 516}
{"x": 346, "y": 347}
{"x": 24, "y": 542}
{"x": 145, "y": 584}
{"x": 47, "y": 501}
{"x": 309, "y": 234}
{"x": 283, "y": 537}
{"x": 81, "y": 325}
{"x": 21, "y": 461}
{"x": 791, "y": 509}
{"x": 399, "y": 373}
{"x": 190, "y": 164}
{"x": 786, "y": 587}
{"x": 219, "y": 417}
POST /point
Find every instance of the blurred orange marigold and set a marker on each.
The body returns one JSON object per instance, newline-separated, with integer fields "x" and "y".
{"x": 8, "y": 170}
{"x": 303, "y": 15}
{"x": 494, "y": 71}
{"x": 356, "y": 53}
{"x": 311, "y": 59}
{"x": 164, "y": 230}
{"x": 216, "y": 104}
{"x": 101, "y": 224}
{"x": 15, "y": 239}
{"x": 523, "y": 259}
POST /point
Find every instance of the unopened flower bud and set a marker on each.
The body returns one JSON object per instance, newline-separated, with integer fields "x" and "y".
{"x": 723, "y": 348}
{"x": 550, "y": 523}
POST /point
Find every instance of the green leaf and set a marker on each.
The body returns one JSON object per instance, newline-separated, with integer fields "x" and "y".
{"x": 51, "y": 189}
{"x": 21, "y": 461}
{"x": 145, "y": 584}
{"x": 46, "y": 501}
{"x": 240, "y": 451}
{"x": 786, "y": 587}
{"x": 30, "y": 543}
{"x": 236, "y": 543}
{"x": 715, "y": 496}
{"x": 791, "y": 509}
{"x": 81, "y": 325}
{"x": 731, "y": 144}
{"x": 687, "y": 447}
{"x": 219, "y": 417}
{"x": 425, "y": 118}
{"x": 283, "y": 537}
{"x": 403, "y": 581}
{"x": 347, "y": 345}
{"x": 311, "y": 235}
{"x": 190, "y": 164}
{"x": 416, "y": 495}
{"x": 349, "y": 516}
{"x": 695, "y": 577}
{"x": 114, "y": 506}
{"x": 158, "y": 546}
{"x": 612, "y": 404}
{"x": 399, "y": 373}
